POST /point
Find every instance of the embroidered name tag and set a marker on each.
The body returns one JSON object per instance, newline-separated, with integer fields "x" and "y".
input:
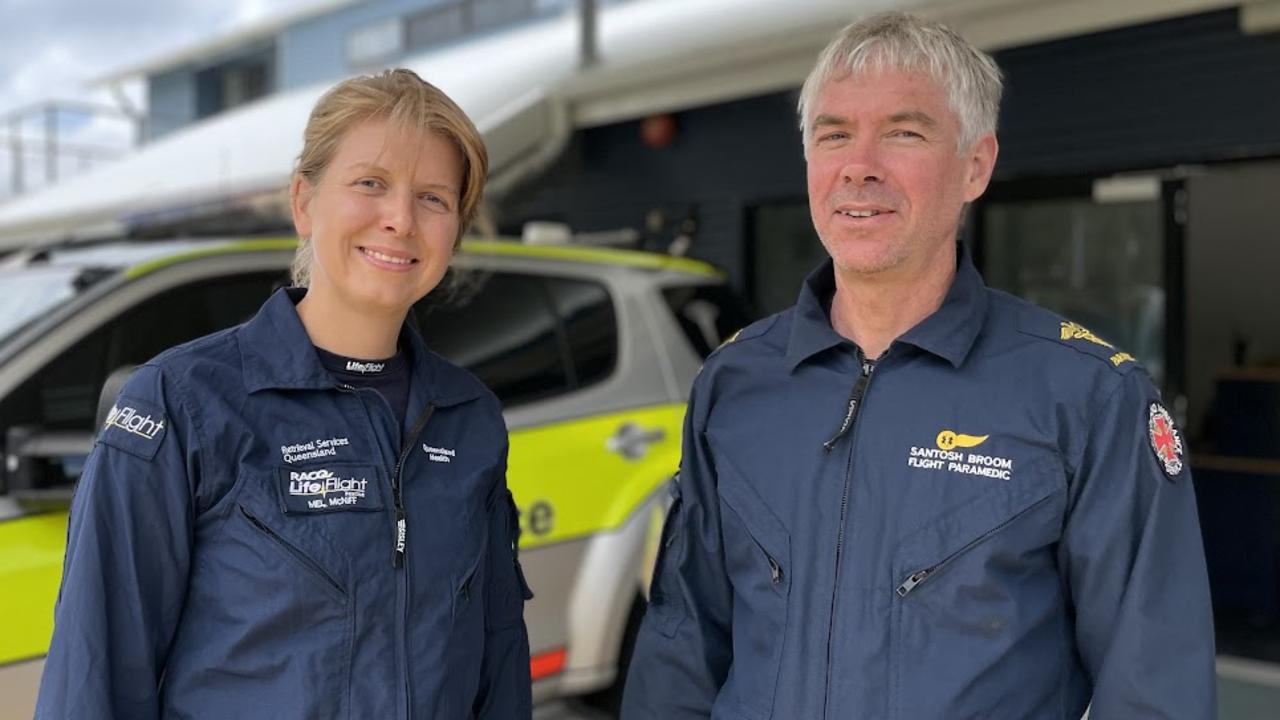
{"x": 329, "y": 488}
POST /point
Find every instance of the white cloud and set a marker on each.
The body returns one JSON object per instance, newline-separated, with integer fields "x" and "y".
{"x": 51, "y": 49}
{"x": 248, "y": 11}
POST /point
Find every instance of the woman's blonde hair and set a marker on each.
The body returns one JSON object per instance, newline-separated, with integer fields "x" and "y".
{"x": 406, "y": 100}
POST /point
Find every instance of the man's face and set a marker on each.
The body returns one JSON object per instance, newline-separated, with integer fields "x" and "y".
{"x": 886, "y": 184}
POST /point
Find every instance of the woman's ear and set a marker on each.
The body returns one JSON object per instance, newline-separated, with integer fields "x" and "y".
{"x": 300, "y": 191}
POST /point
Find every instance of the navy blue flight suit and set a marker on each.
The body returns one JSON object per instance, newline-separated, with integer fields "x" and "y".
{"x": 251, "y": 539}
{"x": 992, "y": 520}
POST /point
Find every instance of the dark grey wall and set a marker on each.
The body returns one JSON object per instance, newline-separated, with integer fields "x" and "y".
{"x": 724, "y": 159}
{"x": 1191, "y": 89}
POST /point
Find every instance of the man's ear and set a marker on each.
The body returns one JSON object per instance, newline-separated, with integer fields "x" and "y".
{"x": 981, "y": 163}
{"x": 300, "y": 191}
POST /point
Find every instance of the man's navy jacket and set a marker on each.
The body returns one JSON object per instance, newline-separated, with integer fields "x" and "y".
{"x": 233, "y": 544}
{"x": 992, "y": 520}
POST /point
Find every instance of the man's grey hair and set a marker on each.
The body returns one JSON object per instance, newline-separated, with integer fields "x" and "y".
{"x": 898, "y": 41}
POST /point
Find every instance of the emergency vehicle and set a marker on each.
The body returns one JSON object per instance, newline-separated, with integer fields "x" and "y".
{"x": 590, "y": 350}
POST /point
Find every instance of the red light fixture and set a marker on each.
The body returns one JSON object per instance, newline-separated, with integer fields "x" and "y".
{"x": 658, "y": 131}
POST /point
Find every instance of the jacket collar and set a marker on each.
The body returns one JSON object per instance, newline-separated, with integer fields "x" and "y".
{"x": 949, "y": 332}
{"x": 277, "y": 354}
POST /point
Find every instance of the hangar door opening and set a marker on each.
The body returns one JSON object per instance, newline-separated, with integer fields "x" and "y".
{"x": 1233, "y": 387}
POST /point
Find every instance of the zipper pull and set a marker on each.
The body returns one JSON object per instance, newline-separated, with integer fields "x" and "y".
{"x": 844, "y": 426}
{"x": 855, "y": 398}
{"x": 910, "y": 583}
{"x": 398, "y": 559}
{"x": 776, "y": 569}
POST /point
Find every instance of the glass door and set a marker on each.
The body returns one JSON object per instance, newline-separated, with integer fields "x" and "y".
{"x": 1100, "y": 253}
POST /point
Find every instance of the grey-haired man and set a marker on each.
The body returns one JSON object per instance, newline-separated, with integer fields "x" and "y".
{"x": 910, "y": 496}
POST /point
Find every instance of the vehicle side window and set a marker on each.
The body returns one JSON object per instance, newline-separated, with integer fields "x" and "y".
{"x": 63, "y": 395}
{"x": 708, "y": 314}
{"x": 501, "y": 327}
{"x": 590, "y": 327}
{"x": 183, "y": 314}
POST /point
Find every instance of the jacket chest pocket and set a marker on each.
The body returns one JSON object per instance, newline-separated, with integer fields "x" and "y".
{"x": 284, "y": 597}
{"x": 301, "y": 560}
{"x": 757, "y": 554}
{"x": 972, "y": 590}
{"x": 306, "y": 545}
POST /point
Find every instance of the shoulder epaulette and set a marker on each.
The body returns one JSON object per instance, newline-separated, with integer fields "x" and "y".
{"x": 755, "y": 329}
{"x": 1082, "y": 340}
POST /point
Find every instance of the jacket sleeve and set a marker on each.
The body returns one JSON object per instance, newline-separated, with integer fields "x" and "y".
{"x": 684, "y": 648}
{"x": 128, "y": 551}
{"x": 505, "y": 689}
{"x": 1133, "y": 560}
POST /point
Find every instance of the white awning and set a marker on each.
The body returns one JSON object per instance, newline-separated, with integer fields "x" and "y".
{"x": 524, "y": 88}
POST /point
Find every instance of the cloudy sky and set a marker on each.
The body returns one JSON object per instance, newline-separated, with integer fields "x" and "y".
{"x": 51, "y": 49}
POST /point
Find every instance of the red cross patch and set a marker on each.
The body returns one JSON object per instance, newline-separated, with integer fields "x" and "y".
{"x": 1165, "y": 440}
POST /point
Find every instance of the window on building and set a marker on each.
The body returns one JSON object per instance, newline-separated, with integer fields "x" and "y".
{"x": 1101, "y": 265}
{"x": 449, "y": 22}
{"x": 436, "y": 26}
{"x": 783, "y": 248}
{"x": 235, "y": 82}
{"x": 375, "y": 43}
{"x": 492, "y": 13}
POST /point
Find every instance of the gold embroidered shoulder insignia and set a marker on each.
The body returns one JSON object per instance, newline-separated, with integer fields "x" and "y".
{"x": 732, "y": 338}
{"x": 1121, "y": 358}
{"x": 1073, "y": 331}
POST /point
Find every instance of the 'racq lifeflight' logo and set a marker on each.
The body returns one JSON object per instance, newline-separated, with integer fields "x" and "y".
{"x": 131, "y": 421}
{"x": 324, "y": 488}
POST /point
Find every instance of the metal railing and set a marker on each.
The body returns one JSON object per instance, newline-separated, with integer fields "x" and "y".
{"x": 39, "y": 145}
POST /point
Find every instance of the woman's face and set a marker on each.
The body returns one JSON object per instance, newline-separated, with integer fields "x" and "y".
{"x": 383, "y": 218}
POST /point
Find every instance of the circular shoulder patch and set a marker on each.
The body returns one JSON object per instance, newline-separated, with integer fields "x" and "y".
{"x": 1165, "y": 439}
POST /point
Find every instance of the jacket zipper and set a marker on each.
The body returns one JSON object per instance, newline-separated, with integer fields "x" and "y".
{"x": 401, "y": 531}
{"x": 855, "y": 401}
{"x": 914, "y": 579}
{"x": 288, "y": 547}
{"x": 846, "y": 427}
{"x": 775, "y": 568}
{"x": 401, "y": 536}
{"x": 397, "y": 496}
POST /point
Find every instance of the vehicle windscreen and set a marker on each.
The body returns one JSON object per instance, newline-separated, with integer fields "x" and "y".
{"x": 31, "y": 293}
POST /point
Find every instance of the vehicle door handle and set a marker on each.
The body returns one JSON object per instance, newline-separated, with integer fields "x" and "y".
{"x": 632, "y": 441}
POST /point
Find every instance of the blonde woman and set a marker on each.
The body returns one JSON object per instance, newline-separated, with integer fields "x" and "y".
{"x": 310, "y": 518}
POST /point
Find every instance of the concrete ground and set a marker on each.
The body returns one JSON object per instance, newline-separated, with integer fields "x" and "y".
{"x": 1247, "y": 690}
